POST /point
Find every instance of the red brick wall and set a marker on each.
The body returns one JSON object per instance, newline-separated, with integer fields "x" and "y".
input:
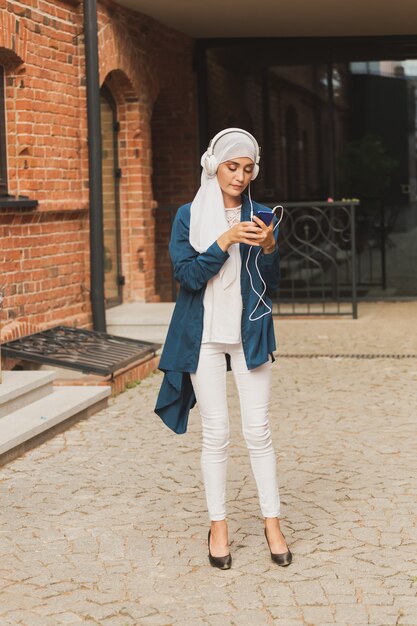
{"x": 45, "y": 137}
{"x": 45, "y": 252}
{"x": 175, "y": 164}
{"x": 45, "y": 265}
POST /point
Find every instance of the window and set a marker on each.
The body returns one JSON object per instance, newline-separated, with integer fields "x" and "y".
{"x": 3, "y": 161}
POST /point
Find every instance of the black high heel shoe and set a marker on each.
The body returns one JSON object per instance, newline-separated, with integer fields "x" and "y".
{"x": 282, "y": 559}
{"x": 222, "y": 562}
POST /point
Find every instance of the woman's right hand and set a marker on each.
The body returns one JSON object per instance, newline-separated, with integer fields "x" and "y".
{"x": 243, "y": 232}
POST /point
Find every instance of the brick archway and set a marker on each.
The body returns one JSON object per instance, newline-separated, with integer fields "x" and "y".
{"x": 166, "y": 132}
{"x": 136, "y": 201}
{"x": 128, "y": 78}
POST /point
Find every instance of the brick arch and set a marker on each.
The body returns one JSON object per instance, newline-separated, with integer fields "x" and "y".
{"x": 133, "y": 86}
{"x": 136, "y": 200}
{"x": 116, "y": 53}
{"x": 121, "y": 87}
{"x": 13, "y": 41}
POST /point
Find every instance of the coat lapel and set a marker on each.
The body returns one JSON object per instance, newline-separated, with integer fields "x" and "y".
{"x": 245, "y": 212}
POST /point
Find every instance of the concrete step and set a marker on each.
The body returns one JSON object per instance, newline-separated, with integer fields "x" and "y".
{"x": 27, "y": 423}
{"x": 140, "y": 320}
{"x": 155, "y": 334}
{"x": 20, "y": 388}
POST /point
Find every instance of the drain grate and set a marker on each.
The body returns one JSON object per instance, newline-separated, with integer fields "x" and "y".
{"x": 347, "y": 356}
{"x": 88, "y": 351}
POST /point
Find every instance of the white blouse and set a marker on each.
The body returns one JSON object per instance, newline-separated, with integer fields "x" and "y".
{"x": 223, "y": 307}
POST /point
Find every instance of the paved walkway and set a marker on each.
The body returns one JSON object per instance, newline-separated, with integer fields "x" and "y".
{"x": 106, "y": 523}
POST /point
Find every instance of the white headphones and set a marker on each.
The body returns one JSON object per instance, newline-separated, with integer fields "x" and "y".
{"x": 209, "y": 161}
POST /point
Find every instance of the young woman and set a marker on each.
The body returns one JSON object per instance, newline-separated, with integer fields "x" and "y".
{"x": 226, "y": 261}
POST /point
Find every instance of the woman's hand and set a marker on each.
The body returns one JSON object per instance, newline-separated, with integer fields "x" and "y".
{"x": 254, "y": 233}
{"x": 267, "y": 242}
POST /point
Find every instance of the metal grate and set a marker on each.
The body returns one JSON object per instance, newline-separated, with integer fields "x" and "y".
{"x": 88, "y": 351}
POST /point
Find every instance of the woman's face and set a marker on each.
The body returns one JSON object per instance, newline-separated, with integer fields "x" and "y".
{"x": 234, "y": 176}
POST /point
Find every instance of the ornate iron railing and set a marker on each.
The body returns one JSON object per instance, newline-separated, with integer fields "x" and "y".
{"x": 318, "y": 259}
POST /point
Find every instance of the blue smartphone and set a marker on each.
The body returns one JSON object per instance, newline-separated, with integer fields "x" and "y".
{"x": 265, "y": 216}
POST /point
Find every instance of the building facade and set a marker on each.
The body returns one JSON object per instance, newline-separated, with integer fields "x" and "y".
{"x": 148, "y": 98}
{"x": 164, "y": 92}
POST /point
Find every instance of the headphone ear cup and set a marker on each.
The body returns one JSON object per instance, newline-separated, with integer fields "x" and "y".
{"x": 210, "y": 165}
{"x": 255, "y": 171}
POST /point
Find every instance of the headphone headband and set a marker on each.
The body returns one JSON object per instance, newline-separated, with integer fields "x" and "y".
{"x": 215, "y": 139}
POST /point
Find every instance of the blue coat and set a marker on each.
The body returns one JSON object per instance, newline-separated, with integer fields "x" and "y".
{"x": 182, "y": 346}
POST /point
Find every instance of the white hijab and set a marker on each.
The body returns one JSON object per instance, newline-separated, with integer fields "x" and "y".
{"x": 208, "y": 218}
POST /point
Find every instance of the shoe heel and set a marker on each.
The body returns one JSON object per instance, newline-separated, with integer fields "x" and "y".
{"x": 283, "y": 559}
{"x": 221, "y": 562}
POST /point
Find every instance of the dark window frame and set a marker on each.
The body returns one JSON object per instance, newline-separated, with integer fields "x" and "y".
{"x": 106, "y": 93}
{"x": 7, "y": 201}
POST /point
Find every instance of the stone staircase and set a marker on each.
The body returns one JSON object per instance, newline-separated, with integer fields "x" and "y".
{"x": 32, "y": 409}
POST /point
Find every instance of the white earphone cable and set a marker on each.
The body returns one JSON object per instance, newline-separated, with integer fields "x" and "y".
{"x": 260, "y": 295}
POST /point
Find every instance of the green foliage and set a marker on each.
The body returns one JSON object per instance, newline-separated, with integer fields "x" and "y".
{"x": 132, "y": 384}
{"x": 365, "y": 168}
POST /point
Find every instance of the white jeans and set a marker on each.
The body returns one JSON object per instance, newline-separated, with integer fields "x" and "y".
{"x": 209, "y": 383}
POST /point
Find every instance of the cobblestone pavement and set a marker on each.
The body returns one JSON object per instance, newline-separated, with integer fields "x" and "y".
{"x": 106, "y": 523}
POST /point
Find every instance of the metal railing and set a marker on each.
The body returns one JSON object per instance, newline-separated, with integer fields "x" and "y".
{"x": 318, "y": 259}
{"x": 375, "y": 223}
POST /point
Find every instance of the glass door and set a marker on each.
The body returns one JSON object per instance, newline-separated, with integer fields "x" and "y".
{"x": 113, "y": 280}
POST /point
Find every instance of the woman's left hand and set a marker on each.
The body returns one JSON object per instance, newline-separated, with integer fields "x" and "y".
{"x": 267, "y": 241}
